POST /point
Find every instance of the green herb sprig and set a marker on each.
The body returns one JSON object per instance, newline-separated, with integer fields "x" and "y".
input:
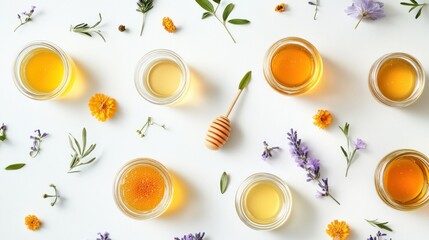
{"x": 315, "y": 3}
{"x": 358, "y": 145}
{"x": 80, "y": 153}
{"x": 15, "y": 166}
{"x": 144, "y": 6}
{"x": 85, "y": 29}
{"x": 149, "y": 122}
{"x": 55, "y": 196}
{"x": 381, "y": 225}
{"x": 26, "y": 16}
{"x": 211, "y": 11}
{"x": 224, "y": 180}
{"x": 414, "y": 4}
{"x": 3, "y": 135}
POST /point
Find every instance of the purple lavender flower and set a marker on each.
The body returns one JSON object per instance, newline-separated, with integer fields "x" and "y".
{"x": 37, "y": 140}
{"x": 197, "y": 236}
{"x": 267, "y": 152}
{"x": 359, "y": 144}
{"x": 105, "y": 236}
{"x": 310, "y": 165}
{"x": 27, "y": 17}
{"x": 378, "y": 236}
{"x": 369, "y": 9}
{"x": 3, "y": 129}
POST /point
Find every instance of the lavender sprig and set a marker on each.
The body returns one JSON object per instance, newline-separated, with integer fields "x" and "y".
{"x": 103, "y": 236}
{"x": 378, "y": 236}
{"x": 3, "y": 129}
{"x": 197, "y": 236}
{"x": 358, "y": 145}
{"x": 37, "y": 140}
{"x": 267, "y": 151}
{"x": 27, "y": 18}
{"x": 310, "y": 165}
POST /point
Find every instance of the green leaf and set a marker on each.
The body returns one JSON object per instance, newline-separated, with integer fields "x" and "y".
{"x": 419, "y": 12}
{"x": 205, "y": 15}
{"x": 3, "y": 137}
{"x": 78, "y": 146}
{"x": 414, "y": 1}
{"x": 89, "y": 150}
{"x": 224, "y": 179}
{"x": 227, "y": 11}
{"x": 71, "y": 143}
{"x": 216, "y": 1}
{"x": 245, "y": 81}
{"x": 238, "y": 21}
{"x": 15, "y": 166}
{"x": 381, "y": 225}
{"x": 344, "y": 152}
{"x": 406, "y": 4}
{"x": 411, "y": 9}
{"x": 83, "y": 139}
{"x": 206, "y": 5}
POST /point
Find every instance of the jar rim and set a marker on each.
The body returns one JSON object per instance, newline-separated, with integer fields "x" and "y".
{"x": 168, "y": 194}
{"x": 418, "y": 86}
{"x": 252, "y": 180}
{"x": 149, "y": 60}
{"x": 66, "y": 62}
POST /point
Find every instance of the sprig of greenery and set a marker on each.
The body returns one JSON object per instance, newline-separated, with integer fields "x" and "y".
{"x": 211, "y": 11}
{"x": 85, "y": 29}
{"x": 15, "y": 166}
{"x": 316, "y": 7}
{"x": 80, "y": 153}
{"x": 381, "y": 225}
{"x": 55, "y": 196}
{"x": 358, "y": 145}
{"x": 144, "y": 6}
{"x": 414, "y": 4}
{"x": 26, "y": 19}
{"x": 149, "y": 122}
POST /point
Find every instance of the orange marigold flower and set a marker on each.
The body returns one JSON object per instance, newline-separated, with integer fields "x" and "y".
{"x": 32, "y": 222}
{"x": 168, "y": 24}
{"x": 102, "y": 107}
{"x": 338, "y": 230}
{"x": 280, "y": 7}
{"x": 322, "y": 119}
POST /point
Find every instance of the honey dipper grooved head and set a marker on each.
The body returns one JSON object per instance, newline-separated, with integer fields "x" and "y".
{"x": 218, "y": 133}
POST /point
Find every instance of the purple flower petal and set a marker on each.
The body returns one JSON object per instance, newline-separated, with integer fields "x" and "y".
{"x": 359, "y": 144}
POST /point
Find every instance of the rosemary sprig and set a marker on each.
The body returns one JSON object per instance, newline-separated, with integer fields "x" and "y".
{"x": 144, "y": 6}
{"x": 80, "y": 152}
{"x": 381, "y": 225}
{"x": 55, "y": 196}
{"x": 84, "y": 28}
{"x": 316, "y": 7}
{"x": 149, "y": 122}
{"x": 211, "y": 11}
{"x": 414, "y": 4}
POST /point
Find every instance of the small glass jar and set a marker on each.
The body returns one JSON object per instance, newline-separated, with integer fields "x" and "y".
{"x": 162, "y": 77}
{"x": 43, "y": 71}
{"x": 292, "y": 66}
{"x": 147, "y": 167}
{"x": 401, "y": 179}
{"x": 396, "y": 79}
{"x": 263, "y": 201}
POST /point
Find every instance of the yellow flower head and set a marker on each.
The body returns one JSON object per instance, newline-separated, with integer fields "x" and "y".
{"x": 168, "y": 24}
{"x": 338, "y": 230}
{"x": 322, "y": 119}
{"x": 102, "y": 107}
{"x": 32, "y": 222}
{"x": 280, "y": 8}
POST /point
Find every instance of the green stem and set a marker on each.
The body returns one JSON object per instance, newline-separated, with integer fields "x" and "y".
{"x": 317, "y": 9}
{"x": 22, "y": 23}
{"x": 141, "y": 31}
{"x": 360, "y": 20}
{"x": 224, "y": 25}
{"x": 333, "y": 199}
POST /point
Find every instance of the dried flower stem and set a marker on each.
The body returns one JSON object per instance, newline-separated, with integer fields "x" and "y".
{"x": 55, "y": 196}
{"x": 142, "y": 132}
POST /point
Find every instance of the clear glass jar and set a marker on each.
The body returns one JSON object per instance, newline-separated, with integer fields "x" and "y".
{"x": 414, "y": 91}
{"x": 144, "y": 68}
{"x": 401, "y": 179}
{"x": 263, "y": 185}
{"x": 164, "y": 203}
{"x": 292, "y": 66}
{"x": 20, "y": 70}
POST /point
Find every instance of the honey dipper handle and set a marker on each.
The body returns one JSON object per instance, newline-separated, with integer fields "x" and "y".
{"x": 233, "y": 103}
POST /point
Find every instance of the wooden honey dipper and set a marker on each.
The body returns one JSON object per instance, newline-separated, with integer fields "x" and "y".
{"x": 220, "y": 129}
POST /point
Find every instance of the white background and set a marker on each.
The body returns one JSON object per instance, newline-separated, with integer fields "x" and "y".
{"x": 217, "y": 65}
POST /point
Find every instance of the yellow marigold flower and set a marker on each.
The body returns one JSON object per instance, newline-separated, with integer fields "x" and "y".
{"x": 280, "y": 8}
{"x": 168, "y": 24}
{"x": 32, "y": 222}
{"x": 338, "y": 230}
{"x": 102, "y": 107}
{"x": 322, "y": 119}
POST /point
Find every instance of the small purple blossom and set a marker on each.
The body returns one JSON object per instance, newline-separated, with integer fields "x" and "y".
{"x": 369, "y": 9}
{"x": 378, "y": 236}
{"x": 310, "y": 165}
{"x": 197, "y": 236}
{"x": 104, "y": 236}
{"x": 37, "y": 140}
{"x": 358, "y": 145}
{"x": 267, "y": 151}
{"x": 3, "y": 129}
{"x": 26, "y": 16}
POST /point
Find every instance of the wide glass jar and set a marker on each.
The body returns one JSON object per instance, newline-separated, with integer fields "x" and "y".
{"x": 143, "y": 189}
{"x": 43, "y": 71}
{"x": 263, "y": 201}
{"x": 401, "y": 179}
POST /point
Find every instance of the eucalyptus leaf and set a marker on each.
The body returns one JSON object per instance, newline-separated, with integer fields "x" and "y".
{"x": 238, "y": 21}
{"x": 206, "y": 5}
{"x": 205, "y": 15}
{"x": 245, "y": 81}
{"x": 228, "y": 9}
{"x": 224, "y": 179}
{"x": 15, "y": 166}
